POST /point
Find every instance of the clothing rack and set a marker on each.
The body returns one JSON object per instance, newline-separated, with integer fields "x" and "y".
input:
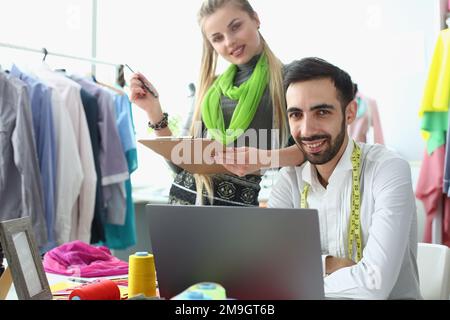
{"x": 45, "y": 52}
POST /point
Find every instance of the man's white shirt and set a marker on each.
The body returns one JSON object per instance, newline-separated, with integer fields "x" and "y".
{"x": 388, "y": 268}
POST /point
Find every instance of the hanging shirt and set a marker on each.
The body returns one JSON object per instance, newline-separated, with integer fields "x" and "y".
{"x": 128, "y": 142}
{"x": 429, "y": 191}
{"x": 436, "y": 97}
{"x": 367, "y": 125}
{"x": 112, "y": 159}
{"x": 91, "y": 110}
{"x": 83, "y": 210}
{"x": 20, "y": 181}
{"x": 42, "y": 115}
{"x": 388, "y": 222}
{"x": 124, "y": 122}
{"x": 446, "y": 182}
{"x": 69, "y": 171}
{"x": 434, "y": 126}
{"x": 124, "y": 236}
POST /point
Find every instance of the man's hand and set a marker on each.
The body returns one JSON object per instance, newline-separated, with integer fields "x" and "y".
{"x": 333, "y": 264}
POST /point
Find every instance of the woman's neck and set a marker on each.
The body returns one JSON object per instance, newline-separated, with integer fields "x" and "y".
{"x": 249, "y": 65}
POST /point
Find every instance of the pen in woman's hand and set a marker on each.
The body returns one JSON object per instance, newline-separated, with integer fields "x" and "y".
{"x": 143, "y": 83}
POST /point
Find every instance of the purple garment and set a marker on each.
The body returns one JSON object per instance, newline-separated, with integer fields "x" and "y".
{"x": 41, "y": 110}
{"x": 20, "y": 181}
{"x": 83, "y": 260}
{"x": 113, "y": 163}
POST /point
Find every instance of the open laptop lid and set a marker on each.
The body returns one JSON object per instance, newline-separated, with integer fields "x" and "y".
{"x": 253, "y": 253}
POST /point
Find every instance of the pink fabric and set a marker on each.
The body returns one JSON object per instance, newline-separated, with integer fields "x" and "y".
{"x": 429, "y": 191}
{"x": 359, "y": 128}
{"x": 83, "y": 260}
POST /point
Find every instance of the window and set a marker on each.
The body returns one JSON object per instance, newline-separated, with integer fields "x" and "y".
{"x": 59, "y": 26}
{"x": 162, "y": 42}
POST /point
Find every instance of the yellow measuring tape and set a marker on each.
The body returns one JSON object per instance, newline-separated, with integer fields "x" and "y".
{"x": 354, "y": 233}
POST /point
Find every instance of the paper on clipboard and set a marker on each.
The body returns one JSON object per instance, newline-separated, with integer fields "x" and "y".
{"x": 191, "y": 154}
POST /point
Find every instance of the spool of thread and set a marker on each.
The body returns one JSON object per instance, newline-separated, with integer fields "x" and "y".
{"x": 141, "y": 275}
{"x": 104, "y": 289}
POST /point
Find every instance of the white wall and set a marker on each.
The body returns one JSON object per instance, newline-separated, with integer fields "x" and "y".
{"x": 385, "y": 45}
{"x": 60, "y": 26}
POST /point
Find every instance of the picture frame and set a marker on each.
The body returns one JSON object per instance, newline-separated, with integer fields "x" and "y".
{"x": 24, "y": 260}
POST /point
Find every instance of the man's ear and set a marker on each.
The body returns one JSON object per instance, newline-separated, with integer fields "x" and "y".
{"x": 350, "y": 112}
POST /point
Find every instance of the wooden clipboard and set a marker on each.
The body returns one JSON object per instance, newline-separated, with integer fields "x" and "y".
{"x": 5, "y": 283}
{"x": 190, "y": 154}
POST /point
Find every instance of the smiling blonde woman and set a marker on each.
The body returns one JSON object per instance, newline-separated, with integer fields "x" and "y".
{"x": 247, "y": 97}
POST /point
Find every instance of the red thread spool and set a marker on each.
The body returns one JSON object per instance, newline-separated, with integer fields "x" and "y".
{"x": 104, "y": 289}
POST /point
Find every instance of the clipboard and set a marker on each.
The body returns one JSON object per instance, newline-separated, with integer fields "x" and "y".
{"x": 190, "y": 154}
{"x": 5, "y": 283}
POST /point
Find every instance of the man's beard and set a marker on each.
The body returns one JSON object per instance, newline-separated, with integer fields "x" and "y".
{"x": 327, "y": 154}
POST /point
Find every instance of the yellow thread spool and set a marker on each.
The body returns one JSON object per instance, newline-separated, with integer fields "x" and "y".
{"x": 141, "y": 275}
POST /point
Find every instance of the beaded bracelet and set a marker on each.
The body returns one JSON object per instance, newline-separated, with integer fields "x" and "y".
{"x": 163, "y": 123}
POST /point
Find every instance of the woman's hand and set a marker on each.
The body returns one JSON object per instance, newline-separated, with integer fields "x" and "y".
{"x": 247, "y": 160}
{"x": 143, "y": 98}
{"x": 244, "y": 161}
{"x": 147, "y": 101}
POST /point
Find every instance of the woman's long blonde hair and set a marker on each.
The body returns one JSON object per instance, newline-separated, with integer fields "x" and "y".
{"x": 208, "y": 75}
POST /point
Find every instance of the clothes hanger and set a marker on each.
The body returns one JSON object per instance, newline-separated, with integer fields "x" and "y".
{"x": 45, "y": 52}
{"x": 118, "y": 91}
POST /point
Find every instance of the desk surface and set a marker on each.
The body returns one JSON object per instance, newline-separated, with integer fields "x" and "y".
{"x": 54, "y": 279}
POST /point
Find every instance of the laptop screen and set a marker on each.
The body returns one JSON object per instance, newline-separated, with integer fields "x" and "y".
{"x": 253, "y": 253}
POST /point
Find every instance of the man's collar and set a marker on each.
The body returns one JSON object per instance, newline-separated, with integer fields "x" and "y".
{"x": 309, "y": 172}
{"x": 345, "y": 163}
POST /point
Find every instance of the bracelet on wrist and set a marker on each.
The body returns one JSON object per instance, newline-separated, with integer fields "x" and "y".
{"x": 163, "y": 123}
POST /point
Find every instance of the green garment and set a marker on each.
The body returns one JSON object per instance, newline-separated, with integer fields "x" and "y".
{"x": 436, "y": 125}
{"x": 248, "y": 95}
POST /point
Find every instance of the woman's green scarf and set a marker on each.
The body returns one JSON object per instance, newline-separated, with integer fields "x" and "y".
{"x": 248, "y": 95}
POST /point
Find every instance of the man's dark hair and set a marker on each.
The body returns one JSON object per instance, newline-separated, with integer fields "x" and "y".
{"x": 316, "y": 68}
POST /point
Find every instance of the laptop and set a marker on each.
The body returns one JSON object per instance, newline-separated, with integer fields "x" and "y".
{"x": 254, "y": 253}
